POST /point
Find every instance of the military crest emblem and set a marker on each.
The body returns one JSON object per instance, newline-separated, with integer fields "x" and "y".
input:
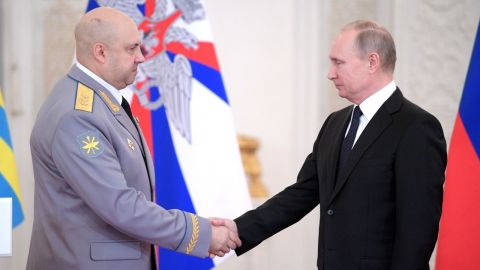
{"x": 170, "y": 75}
{"x": 90, "y": 144}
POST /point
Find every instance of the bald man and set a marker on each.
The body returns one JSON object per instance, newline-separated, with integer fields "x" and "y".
{"x": 93, "y": 171}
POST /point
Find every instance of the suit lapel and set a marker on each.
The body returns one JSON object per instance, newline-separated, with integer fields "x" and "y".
{"x": 337, "y": 141}
{"x": 380, "y": 121}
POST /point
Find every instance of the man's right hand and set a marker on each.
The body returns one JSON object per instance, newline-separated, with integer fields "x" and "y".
{"x": 224, "y": 237}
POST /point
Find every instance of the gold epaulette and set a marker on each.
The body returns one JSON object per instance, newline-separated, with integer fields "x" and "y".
{"x": 114, "y": 107}
{"x": 84, "y": 98}
{"x": 195, "y": 234}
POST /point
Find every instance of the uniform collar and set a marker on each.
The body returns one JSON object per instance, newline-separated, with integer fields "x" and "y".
{"x": 112, "y": 90}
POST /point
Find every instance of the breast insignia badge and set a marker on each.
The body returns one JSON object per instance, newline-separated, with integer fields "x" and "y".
{"x": 90, "y": 144}
{"x": 130, "y": 144}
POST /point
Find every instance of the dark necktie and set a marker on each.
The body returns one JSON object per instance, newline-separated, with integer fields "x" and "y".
{"x": 126, "y": 107}
{"x": 350, "y": 138}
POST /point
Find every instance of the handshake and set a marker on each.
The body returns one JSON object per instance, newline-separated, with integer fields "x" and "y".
{"x": 224, "y": 237}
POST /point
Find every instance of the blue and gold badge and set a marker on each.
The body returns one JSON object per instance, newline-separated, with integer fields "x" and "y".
{"x": 90, "y": 144}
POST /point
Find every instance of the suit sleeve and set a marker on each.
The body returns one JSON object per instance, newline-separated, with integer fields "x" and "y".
{"x": 419, "y": 177}
{"x": 284, "y": 209}
{"x": 97, "y": 178}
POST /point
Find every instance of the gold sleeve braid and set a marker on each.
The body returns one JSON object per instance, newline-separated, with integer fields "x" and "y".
{"x": 195, "y": 234}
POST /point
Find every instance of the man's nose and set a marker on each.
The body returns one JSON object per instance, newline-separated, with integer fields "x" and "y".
{"x": 140, "y": 57}
{"x": 332, "y": 74}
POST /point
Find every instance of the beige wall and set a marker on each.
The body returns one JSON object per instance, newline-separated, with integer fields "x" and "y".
{"x": 273, "y": 56}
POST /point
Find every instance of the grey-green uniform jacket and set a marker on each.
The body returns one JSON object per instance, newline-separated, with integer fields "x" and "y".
{"x": 93, "y": 202}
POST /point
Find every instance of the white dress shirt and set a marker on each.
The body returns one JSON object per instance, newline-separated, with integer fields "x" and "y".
{"x": 370, "y": 106}
{"x": 114, "y": 91}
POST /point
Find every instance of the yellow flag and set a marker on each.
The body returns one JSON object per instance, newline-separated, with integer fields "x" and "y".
{"x": 9, "y": 186}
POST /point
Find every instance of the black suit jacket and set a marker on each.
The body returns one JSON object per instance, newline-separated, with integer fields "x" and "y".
{"x": 383, "y": 212}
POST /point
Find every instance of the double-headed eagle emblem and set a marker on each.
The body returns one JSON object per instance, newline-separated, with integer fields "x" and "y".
{"x": 170, "y": 76}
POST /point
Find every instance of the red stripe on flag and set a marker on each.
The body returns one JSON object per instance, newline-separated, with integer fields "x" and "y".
{"x": 459, "y": 238}
{"x": 149, "y": 8}
{"x": 204, "y": 54}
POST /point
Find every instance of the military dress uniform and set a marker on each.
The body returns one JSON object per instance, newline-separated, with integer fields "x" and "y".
{"x": 94, "y": 179}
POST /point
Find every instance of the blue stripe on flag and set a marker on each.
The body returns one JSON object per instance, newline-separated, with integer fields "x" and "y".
{"x": 208, "y": 76}
{"x": 469, "y": 109}
{"x": 7, "y": 191}
{"x": 171, "y": 190}
{"x": 92, "y": 4}
{"x": 4, "y": 134}
{"x": 141, "y": 7}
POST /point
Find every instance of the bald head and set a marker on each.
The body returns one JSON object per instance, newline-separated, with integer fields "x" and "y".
{"x": 108, "y": 44}
{"x": 100, "y": 25}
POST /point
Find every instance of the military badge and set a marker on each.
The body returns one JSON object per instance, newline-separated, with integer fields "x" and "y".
{"x": 84, "y": 98}
{"x": 90, "y": 144}
{"x": 130, "y": 144}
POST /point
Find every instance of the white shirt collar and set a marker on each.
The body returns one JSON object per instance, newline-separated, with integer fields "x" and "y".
{"x": 371, "y": 105}
{"x": 114, "y": 91}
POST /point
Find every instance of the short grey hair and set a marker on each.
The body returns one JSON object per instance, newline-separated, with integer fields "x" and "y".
{"x": 372, "y": 37}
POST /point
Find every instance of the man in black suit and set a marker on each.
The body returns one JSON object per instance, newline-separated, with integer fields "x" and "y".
{"x": 377, "y": 168}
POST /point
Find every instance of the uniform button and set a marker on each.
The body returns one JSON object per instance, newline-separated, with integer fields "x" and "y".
{"x": 330, "y": 212}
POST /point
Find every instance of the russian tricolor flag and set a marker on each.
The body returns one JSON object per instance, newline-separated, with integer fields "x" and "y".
{"x": 185, "y": 116}
{"x": 459, "y": 238}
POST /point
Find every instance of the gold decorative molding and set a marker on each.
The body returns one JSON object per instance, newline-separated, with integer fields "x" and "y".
{"x": 251, "y": 165}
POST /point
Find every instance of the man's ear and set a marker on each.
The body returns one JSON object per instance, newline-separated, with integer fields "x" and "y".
{"x": 99, "y": 52}
{"x": 373, "y": 62}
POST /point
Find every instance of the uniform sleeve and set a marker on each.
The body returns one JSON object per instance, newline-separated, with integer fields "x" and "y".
{"x": 419, "y": 177}
{"x": 88, "y": 162}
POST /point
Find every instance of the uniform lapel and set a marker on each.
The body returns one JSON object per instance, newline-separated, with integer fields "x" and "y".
{"x": 120, "y": 114}
{"x": 149, "y": 161}
{"x": 111, "y": 103}
{"x": 380, "y": 121}
{"x": 125, "y": 121}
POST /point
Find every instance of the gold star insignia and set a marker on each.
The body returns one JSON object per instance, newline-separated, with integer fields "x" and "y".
{"x": 90, "y": 145}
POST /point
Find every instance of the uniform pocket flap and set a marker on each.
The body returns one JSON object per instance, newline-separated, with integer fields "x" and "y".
{"x": 115, "y": 250}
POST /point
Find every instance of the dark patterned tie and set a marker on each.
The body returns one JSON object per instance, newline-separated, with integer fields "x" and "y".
{"x": 350, "y": 138}
{"x": 126, "y": 107}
